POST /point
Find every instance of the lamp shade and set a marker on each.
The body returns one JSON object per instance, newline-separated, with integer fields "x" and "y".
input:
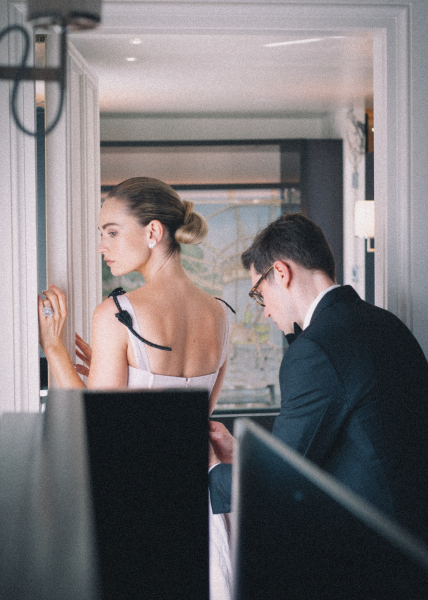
{"x": 364, "y": 219}
{"x": 76, "y": 14}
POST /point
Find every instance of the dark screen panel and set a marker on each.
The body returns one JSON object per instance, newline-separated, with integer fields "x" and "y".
{"x": 148, "y": 470}
{"x": 302, "y": 536}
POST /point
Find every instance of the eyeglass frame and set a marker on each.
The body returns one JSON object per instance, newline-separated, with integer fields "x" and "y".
{"x": 254, "y": 294}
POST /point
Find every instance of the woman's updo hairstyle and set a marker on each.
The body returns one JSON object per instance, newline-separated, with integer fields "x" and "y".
{"x": 148, "y": 199}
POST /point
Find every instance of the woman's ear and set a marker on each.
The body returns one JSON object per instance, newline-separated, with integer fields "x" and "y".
{"x": 156, "y": 231}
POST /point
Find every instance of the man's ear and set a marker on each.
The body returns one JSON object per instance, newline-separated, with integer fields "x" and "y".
{"x": 283, "y": 272}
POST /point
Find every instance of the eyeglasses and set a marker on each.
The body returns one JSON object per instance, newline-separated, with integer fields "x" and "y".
{"x": 254, "y": 294}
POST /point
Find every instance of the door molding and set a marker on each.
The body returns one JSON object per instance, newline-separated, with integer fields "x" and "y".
{"x": 399, "y": 213}
{"x": 19, "y": 347}
{"x": 390, "y": 25}
{"x": 73, "y": 197}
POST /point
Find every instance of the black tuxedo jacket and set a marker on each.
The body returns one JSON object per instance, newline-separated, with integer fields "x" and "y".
{"x": 354, "y": 400}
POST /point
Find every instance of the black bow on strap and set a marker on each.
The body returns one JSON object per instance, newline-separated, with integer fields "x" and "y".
{"x": 290, "y": 337}
{"x": 124, "y": 317}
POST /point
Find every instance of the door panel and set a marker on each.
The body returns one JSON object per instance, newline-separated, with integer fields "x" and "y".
{"x": 73, "y": 195}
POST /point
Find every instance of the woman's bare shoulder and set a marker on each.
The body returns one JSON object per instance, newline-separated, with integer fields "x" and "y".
{"x": 105, "y": 313}
{"x": 105, "y": 325}
{"x": 106, "y": 308}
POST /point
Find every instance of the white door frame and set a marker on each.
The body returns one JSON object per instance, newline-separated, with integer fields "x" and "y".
{"x": 390, "y": 24}
{"x": 400, "y": 182}
{"x": 77, "y": 182}
{"x": 73, "y": 195}
{"x": 19, "y": 347}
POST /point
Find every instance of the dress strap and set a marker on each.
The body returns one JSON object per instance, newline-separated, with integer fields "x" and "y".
{"x": 124, "y": 317}
{"x": 224, "y": 302}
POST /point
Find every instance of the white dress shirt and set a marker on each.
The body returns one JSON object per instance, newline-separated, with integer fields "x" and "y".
{"x": 315, "y": 304}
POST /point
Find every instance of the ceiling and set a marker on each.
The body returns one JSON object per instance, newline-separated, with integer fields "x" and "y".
{"x": 229, "y": 74}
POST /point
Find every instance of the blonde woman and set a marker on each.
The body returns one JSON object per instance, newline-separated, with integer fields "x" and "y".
{"x": 166, "y": 334}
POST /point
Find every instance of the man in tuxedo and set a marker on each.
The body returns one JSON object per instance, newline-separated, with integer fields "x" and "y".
{"x": 354, "y": 380}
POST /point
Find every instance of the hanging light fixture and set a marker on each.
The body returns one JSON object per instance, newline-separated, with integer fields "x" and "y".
{"x": 62, "y": 15}
{"x": 74, "y": 14}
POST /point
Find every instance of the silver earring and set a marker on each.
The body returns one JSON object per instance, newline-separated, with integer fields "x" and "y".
{"x": 152, "y": 244}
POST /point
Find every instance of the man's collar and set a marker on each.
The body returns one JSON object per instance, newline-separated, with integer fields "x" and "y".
{"x": 315, "y": 303}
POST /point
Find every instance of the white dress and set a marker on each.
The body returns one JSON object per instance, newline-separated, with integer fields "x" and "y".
{"x": 143, "y": 378}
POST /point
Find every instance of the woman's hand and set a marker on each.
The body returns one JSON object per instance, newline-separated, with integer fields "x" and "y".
{"x": 85, "y": 355}
{"x": 51, "y": 328}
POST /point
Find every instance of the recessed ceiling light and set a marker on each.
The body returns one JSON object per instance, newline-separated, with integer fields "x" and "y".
{"x": 131, "y": 58}
{"x": 304, "y": 41}
{"x": 135, "y": 41}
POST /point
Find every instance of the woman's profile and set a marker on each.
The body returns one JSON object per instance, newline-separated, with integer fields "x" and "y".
{"x": 167, "y": 333}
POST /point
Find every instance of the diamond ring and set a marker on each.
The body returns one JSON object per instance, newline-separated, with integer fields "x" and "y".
{"x": 48, "y": 311}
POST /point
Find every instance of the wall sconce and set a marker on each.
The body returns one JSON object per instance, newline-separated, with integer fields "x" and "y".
{"x": 57, "y": 14}
{"x": 364, "y": 221}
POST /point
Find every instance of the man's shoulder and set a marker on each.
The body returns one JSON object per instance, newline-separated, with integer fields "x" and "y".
{"x": 342, "y": 308}
{"x": 355, "y": 334}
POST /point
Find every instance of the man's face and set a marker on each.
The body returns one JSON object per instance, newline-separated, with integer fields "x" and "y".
{"x": 276, "y": 299}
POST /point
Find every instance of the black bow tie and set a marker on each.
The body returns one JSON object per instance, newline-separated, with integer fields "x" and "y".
{"x": 290, "y": 337}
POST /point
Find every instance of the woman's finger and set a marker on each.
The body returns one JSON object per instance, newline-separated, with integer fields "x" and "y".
{"x": 84, "y": 346}
{"x": 52, "y": 300}
{"x": 58, "y": 301}
{"x": 62, "y": 300}
{"x": 41, "y": 305}
{"x": 83, "y": 358}
{"x": 83, "y": 351}
{"x": 82, "y": 370}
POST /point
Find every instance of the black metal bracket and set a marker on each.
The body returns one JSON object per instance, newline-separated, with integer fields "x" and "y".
{"x": 23, "y": 73}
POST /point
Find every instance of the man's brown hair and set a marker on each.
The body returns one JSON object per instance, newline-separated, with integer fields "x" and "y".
{"x": 293, "y": 237}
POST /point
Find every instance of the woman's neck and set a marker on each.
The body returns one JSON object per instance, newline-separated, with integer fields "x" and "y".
{"x": 163, "y": 266}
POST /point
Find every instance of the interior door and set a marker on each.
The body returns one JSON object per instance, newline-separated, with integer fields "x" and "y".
{"x": 73, "y": 194}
